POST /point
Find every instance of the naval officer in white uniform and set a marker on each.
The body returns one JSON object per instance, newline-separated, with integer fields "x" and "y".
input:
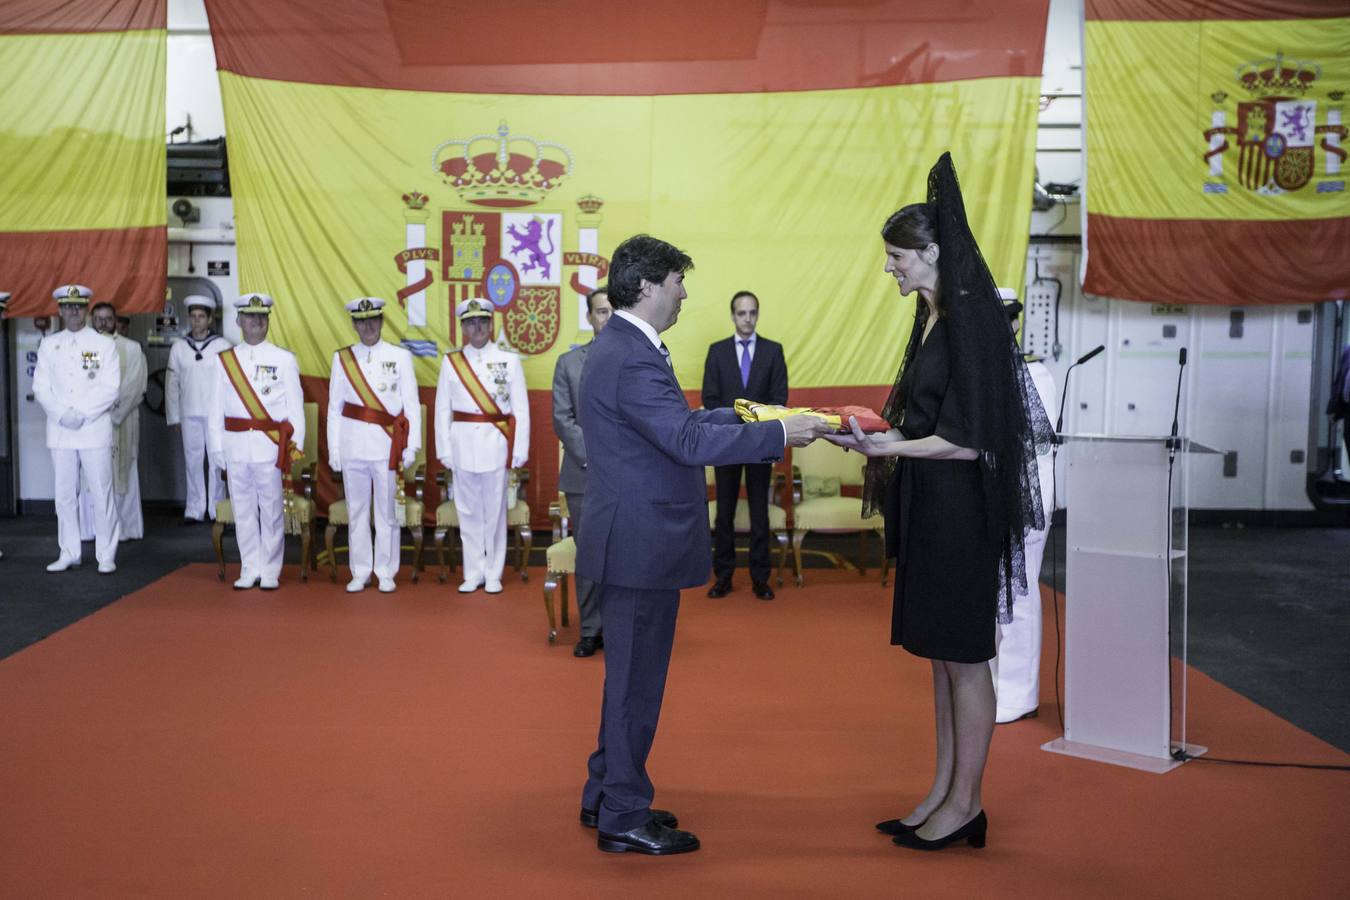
{"x": 253, "y": 445}
{"x": 126, "y": 419}
{"x": 364, "y": 406}
{"x": 482, "y": 426}
{"x": 76, "y": 382}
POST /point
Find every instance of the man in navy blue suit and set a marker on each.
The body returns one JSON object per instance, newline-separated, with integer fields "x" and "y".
{"x": 646, "y": 534}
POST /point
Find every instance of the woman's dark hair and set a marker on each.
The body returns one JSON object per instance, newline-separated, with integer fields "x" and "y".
{"x": 911, "y": 227}
{"x": 642, "y": 257}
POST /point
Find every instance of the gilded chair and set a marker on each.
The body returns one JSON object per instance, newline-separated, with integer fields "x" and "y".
{"x": 517, "y": 522}
{"x": 561, "y": 562}
{"x": 777, "y": 515}
{"x": 820, "y": 473}
{"x": 408, "y": 512}
{"x": 297, "y": 499}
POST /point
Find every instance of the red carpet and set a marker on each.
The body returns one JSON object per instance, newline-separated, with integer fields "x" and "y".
{"x": 191, "y": 741}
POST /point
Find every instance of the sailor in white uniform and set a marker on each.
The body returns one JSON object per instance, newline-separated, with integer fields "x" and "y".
{"x": 257, "y": 419}
{"x": 193, "y": 372}
{"x": 374, "y": 433}
{"x": 76, "y": 383}
{"x": 1017, "y": 665}
{"x": 482, "y": 426}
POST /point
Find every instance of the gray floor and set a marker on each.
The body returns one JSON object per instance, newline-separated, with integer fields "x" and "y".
{"x": 1270, "y": 607}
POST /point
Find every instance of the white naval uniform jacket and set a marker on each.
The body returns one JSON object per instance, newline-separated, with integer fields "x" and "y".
{"x": 78, "y": 371}
{"x": 481, "y": 446}
{"x": 389, "y": 372}
{"x": 275, "y": 377}
{"x": 190, "y": 381}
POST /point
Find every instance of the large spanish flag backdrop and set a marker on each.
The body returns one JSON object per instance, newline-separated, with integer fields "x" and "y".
{"x": 1216, "y": 150}
{"x": 82, "y": 144}
{"x": 427, "y": 152}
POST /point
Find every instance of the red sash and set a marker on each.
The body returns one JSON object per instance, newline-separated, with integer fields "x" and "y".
{"x": 491, "y": 412}
{"x": 279, "y": 433}
{"x": 396, "y": 426}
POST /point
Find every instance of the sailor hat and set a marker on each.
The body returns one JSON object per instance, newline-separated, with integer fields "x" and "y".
{"x": 200, "y": 300}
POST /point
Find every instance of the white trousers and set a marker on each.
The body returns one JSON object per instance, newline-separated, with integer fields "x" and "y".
{"x": 128, "y": 507}
{"x": 97, "y": 468}
{"x": 369, "y": 486}
{"x": 1017, "y": 665}
{"x": 480, "y": 501}
{"x": 202, "y": 492}
{"x": 259, "y": 523}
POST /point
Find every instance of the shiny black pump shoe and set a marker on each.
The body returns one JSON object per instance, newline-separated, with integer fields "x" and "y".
{"x": 973, "y": 831}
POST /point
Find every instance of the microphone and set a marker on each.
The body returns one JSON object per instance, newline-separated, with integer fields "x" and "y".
{"x": 1091, "y": 353}
{"x": 1059, "y": 423}
{"x": 1172, "y": 442}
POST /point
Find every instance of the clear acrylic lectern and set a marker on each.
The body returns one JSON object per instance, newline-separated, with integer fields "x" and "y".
{"x": 1125, "y": 601}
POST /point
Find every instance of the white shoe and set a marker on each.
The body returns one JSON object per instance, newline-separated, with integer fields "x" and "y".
{"x": 269, "y": 584}
{"x": 107, "y": 568}
{"x": 386, "y": 585}
{"x": 356, "y": 585}
{"x": 468, "y": 587}
{"x": 246, "y": 581}
{"x": 62, "y": 564}
{"x": 493, "y": 587}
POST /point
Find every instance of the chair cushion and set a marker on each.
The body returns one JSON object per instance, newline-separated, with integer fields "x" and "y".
{"x": 777, "y": 517}
{"x": 225, "y": 511}
{"x": 518, "y": 515}
{"x": 834, "y": 514}
{"x": 337, "y": 513}
{"x": 562, "y": 556}
{"x": 446, "y": 516}
{"x": 305, "y": 508}
{"x": 414, "y": 510}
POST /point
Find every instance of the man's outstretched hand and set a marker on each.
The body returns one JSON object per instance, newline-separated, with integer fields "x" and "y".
{"x": 802, "y": 429}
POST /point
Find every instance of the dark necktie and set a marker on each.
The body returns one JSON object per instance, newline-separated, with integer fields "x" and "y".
{"x": 745, "y": 362}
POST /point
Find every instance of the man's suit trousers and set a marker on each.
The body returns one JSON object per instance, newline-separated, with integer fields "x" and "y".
{"x": 757, "y": 478}
{"x": 639, "y": 633}
{"x": 588, "y": 594}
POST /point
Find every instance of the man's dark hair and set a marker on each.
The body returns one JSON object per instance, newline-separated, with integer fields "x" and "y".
{"x": 738, "y": 295}
{"x": 642, "y": 257}
{"x": 102, "y": 304}
{"x": 590, "y": 307}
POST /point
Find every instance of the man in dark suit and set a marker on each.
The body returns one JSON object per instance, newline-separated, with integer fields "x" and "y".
{"x": 572, "y": 474}
{"x": 646, "y": 533}
{"x": 751, "y": 367}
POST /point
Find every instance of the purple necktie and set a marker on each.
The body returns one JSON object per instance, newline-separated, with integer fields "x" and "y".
{"x": 745, "y": 362}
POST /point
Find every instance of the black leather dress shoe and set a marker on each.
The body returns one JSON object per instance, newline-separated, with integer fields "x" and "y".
{"x": 975, "y": 832}
{"x": 763, "y": 591}
{"x": 591, "y": 818}
{"x": 588, "y": 645}
{"x": 720, "y": 589}
{"x": 651, "y": 839}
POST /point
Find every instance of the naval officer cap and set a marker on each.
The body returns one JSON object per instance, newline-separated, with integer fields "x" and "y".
{"x": 200, "y": 301}
{"x": 365, "y": 308}
{"x": 474, "y": 308}
{"x": 73, "y": 294}
{"x": 254, "y": 305}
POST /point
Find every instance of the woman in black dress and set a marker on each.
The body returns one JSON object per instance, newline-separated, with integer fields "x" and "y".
{"x": 956, "y": 478}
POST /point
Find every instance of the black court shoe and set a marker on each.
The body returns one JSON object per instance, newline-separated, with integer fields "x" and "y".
{"x": 973, "y": 831}
{"x": 895, "y": 827}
